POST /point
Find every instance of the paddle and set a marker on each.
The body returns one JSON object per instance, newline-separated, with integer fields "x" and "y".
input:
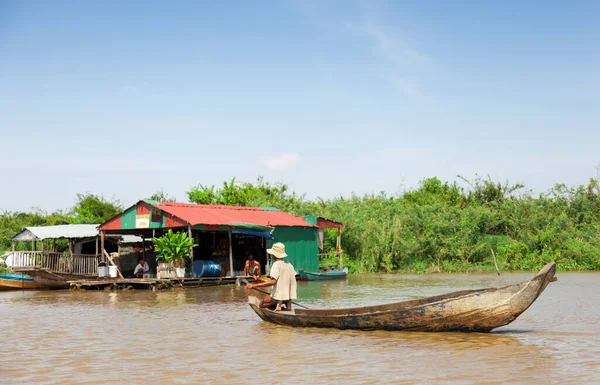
{"x": 245, "y": 281}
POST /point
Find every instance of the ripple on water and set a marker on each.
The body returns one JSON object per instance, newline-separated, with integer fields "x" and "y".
{"x": 210, "y": 335}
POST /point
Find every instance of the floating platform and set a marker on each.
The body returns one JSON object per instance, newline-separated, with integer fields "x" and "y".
{"x": 152, "y": 283}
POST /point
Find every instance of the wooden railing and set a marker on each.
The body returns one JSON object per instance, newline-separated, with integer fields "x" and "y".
{"x": 58, "y": 262}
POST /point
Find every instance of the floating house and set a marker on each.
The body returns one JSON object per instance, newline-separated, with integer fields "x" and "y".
{"x": 76, "y": 256}
{"x": 225, "y": 234}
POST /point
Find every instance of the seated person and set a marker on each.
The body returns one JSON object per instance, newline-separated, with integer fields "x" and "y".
{"x": 141, "y": 268}
{"x": 252, "y": 267}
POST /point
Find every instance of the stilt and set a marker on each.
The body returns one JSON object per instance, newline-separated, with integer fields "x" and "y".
{"x": 338, "y": 248}
{"x": 230, "y": 254}
{"x": 102, "y": 257}
{"x": 191, "y": 250}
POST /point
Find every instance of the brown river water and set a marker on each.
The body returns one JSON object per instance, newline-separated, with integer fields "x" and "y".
{"x": 211, "y": 336}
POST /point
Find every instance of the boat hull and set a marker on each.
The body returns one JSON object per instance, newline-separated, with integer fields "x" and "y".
{"x": 18, "y": 282}
{"x": 466, "y": 311}
{"x": 51, "y": 280}
{"x": 323, "y": 276}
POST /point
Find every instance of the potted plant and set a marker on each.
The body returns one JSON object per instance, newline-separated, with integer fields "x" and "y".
{"x": 173, "y": 248}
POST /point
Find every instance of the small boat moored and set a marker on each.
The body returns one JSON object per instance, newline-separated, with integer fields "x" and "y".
{"x": 18, "y": 282}
{"x": 478, "y": 310}
{"x": 323, "y": 275}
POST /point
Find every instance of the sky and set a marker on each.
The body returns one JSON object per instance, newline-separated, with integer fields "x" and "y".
{"x": 123, "y": 99}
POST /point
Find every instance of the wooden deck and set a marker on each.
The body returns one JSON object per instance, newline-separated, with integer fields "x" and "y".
{"x": 152, "y": 283}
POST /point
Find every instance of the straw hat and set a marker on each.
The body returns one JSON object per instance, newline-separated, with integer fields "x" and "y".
{"x": 278, "y": 250}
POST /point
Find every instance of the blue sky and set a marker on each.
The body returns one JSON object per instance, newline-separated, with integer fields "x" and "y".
{"x": 125, "y": 98}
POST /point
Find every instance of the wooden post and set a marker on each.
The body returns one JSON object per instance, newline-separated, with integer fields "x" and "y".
{"x": 33, "y": 257}
{"x": 71, "y": 253}
{"x": 191, "y": 251}
{"x": 102, "y": 245}
{"x": 230, "y": 254}
{"x": 54, "y": 244}
{"x": 42, "y": 255}
{"x": 144, "y": 246}
{"x": 338, "y": 248}
{"x": 268, "y": 266}
{"x": 97, "y": 246}
{"x": 13, "y": 246}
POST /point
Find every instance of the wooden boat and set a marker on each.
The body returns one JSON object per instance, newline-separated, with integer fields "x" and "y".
{"x": 323, "y": 275}
{"x": 18, "y": 282}
{"x": 52, "y": 280}
{"x": 467, "y": 311}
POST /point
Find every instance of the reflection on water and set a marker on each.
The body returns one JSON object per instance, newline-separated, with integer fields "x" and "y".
{"x": 210, "y": 335}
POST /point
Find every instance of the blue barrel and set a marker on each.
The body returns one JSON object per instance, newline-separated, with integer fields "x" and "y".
{"x": 204, "y": 268}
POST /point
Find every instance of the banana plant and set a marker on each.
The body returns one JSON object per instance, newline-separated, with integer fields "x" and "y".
{"x": 173, "y": 247}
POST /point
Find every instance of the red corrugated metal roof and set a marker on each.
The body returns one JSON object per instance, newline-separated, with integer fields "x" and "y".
{"x": 227, "y": 215}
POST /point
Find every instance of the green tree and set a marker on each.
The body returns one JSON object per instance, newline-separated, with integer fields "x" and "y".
{"x": 91, "y": 209}
{"x": 161, "y": 196}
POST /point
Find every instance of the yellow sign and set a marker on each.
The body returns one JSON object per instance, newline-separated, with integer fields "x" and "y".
{"x": 142, "y": 221}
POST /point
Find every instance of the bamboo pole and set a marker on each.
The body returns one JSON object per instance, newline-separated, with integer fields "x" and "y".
{"x": 495, "y": 263}
{"x": 230, "y": 254}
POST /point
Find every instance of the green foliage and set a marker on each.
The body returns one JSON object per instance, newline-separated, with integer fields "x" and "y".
{"x": 5, "y": 269}
{"x": 173, "y": 247}
{"x": 161, "y": 196}
{"x": 92, "y": 209}
{"x": 260, "y": 194}
{"x": 13, "y": 222}
{"x": 438, "y": 226}
{"x": 442, "y": 226}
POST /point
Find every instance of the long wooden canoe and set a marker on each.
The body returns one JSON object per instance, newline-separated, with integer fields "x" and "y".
{"x": 468, "y": 311}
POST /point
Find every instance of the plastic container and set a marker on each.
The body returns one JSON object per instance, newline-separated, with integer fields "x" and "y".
{"x": 148, "y": 275}
{"x": 112, "y": 271}
{"x": 165, "y": 270}
{"x": 205, "y": 268}
{"x": 102, "y": 271}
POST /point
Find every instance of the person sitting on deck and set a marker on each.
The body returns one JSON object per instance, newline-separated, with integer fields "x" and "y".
{"x": 252, "y": 267}
{"x": 141, "y": 268}
{"x": 283, "y": 280}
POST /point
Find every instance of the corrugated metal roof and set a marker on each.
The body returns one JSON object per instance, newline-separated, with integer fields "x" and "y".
{"x": 55, "y": 232}
{"x": 229, "y": 215}
{"x": 132, "y": 239}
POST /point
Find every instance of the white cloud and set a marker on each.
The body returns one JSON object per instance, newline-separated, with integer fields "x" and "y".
{"x": 280, "y": 161}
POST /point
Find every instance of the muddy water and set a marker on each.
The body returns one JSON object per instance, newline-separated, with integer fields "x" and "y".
{"x": 211, "y": 336}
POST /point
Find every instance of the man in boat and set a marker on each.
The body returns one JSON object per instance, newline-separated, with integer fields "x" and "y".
{"x": 283, "y": 280}
{"x": 141, "y": 268}
{"x": 252, "y": 266}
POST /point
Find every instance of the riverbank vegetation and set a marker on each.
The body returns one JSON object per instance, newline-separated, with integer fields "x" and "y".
{"x": 437, "y": 227}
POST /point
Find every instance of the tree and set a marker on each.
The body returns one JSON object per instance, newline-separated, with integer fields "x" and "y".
{"x": 161, "y": 196}
{"x": 247, "y": 194}
{"x": 91, "y": 208}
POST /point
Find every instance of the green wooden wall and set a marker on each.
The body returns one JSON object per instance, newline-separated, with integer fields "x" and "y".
{"x": 301, "y": 246}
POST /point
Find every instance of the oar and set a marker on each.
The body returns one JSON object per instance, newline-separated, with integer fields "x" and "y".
{"x": 244, "y": 280}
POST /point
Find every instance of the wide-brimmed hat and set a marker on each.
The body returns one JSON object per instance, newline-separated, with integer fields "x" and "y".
{"x": 278, "y": 250}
